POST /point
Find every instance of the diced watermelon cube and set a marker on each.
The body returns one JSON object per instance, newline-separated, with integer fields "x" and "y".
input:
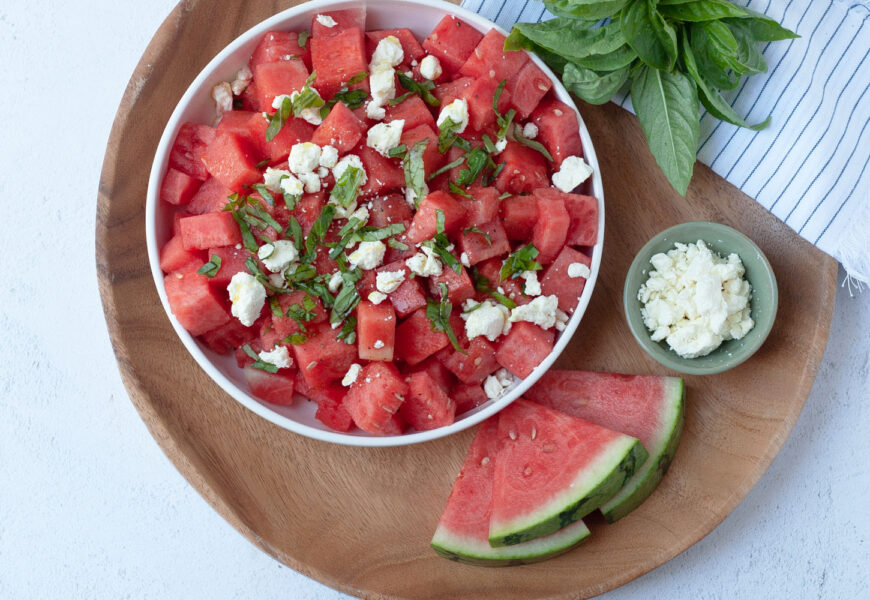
{"x": 583, "y": 210}
{"x": 551, "y": 229}
{"x": 408, "y": 297}
{"x": 425, "y": 222}
{"x": 201, "y": 232}
{"x": 558, "y": 129}
{"x": 330, "y": 407}
{"x": 459, "y": 285}
{"x": 410, "y": 46}
{"x": 427, "y": 406}
{"x": 323, "y": 359}
{"x": 376, "y": 330}
{"x": 490, "y": 60}
{"x": 432, "y": 159}
{"x": 285, "y": 325}
{"x": 556, "y": 280}
{"x": 178, "y": 188}
{"x": 375, "y": 396}
{"x": 308, "y": 209}
{"x": 527, "y": 88}
{"x": 389, "y": 209}
{"x": 189, "y": 148}
{"x": 250, "y": 98}
{"x": 467, "y": 396}
{"x": 173, "y": 255}
{"x": 519, "y": 215}
{"x": 344, "y": 19}
{"x": 341, "y": 129}
{"x": 482, "y": 207}
{"x": 278, "y": 46}
{"x": 193, "y": 302}
{"x": 415, "y": 339}
{"x": 277, "y": 78}
{"x": 229, "y": 336}
{"x": 384, "y": 174}
{"x": 474, "y": 366}
{"x": 525, "y": 169}
{"x": 452, "y": 41}
{"x": 294, "y": 132}
{"x": 236, "y": 121}
{"x": 232, "y": 160}
{"x": 275, "y": 388}
{"x": 442, "y": 377}
{"x": 232, "y": 262}
{"x": 479, "y": 247}
{"x": 212, "y": 196}
{"x": 524, "y": 347}
{"x": 269, "y": 338}
{"x": 336, "y": 59}
{"x": 413, "y": 111}
{"x": 479, "y": 96}
{"x": 451, "y": 90}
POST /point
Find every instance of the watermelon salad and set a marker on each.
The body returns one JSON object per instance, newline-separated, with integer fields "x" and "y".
{"x": 395, "y": 229}
{"x": 589, "y": 441}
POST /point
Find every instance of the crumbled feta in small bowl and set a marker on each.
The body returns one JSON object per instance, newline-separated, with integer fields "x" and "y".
{"x": 700, "y": 298}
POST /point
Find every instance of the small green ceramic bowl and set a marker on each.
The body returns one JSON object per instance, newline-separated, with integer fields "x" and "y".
{"x": 724, "y": 240}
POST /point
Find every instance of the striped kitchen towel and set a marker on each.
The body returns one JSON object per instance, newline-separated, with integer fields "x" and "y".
{"x": 810, "y": 167}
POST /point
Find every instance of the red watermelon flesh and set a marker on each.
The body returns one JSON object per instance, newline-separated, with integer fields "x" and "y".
{"x": 463, "y": 529}
{"x": 648, "y": 407}
{"x": 452, "y": 41}
{"x": 275, "y": 388}
{"x": 553, "y": 469}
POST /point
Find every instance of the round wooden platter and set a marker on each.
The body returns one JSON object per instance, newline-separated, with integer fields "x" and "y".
{"x": 360, "y": 519}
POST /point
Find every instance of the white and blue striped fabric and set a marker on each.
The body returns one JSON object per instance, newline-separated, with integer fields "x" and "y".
{"x": 810, "y": 167}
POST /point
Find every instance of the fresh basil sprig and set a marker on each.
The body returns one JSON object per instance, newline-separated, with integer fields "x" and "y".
{"x": 438, "y": 314}
{"x": 672, "y": 54}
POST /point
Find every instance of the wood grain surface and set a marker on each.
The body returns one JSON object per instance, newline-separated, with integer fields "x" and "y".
{"x": 360, "y": 519}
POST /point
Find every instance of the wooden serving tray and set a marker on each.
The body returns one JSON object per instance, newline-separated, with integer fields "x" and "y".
{"x": 360, "y": 519}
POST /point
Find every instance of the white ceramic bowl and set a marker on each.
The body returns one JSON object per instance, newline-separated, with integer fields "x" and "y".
{"x": 420, "y": 16}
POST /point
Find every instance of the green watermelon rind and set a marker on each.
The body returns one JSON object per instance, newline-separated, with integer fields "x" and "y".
{"x": 661, "y": 453}
{"x": 595, "y": 485}
{"x": 474, "y": 552}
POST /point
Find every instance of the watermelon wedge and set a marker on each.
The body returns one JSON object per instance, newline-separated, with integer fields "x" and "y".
{"x": 552, "y": 470}
{"x": 648, "y": 407}
{"x": 463, "y": 531}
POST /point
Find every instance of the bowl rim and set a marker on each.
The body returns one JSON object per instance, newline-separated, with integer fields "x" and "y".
{"x": 198, "y": 352}
{"x": 668, "y": 357}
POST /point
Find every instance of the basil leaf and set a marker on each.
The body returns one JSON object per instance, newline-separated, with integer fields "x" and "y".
{"x": 481, "y": 232}
{"x": 590, "y": 10}
{"x": 621, "y": 57}
{"x": 763, "y": 28}
{"x": 318, "y": 230}
{"x": 701, "y": 10}
{"x": 647, "y": 32}
{"x": 520, "y": 261}
{"x": 424, "y": 90}
{"x": 277, "y": 120}
{"x": 591, "y": 86}
{"x": 346, "y": 189}
{"x": 666, "y": 105}
{"x": 263, "y": 163}
{"x": 348, "y": 331}
{"x": 415, "y": 170}
{"x": 397, "y": 152}
{"x": 533, "y": 144}
{"x": 712, "y": 100}
{"x": 396, "y": 245}
{"x": 399, "y": 99}
{"x": 303, "y": 38}
{"x": 275, "y": 306}
{"x": 295, "y": 338}
{"x": 211, "y": 268}
{"x": 715, "y": 50}
{"x": 350, "y": 98}
{"x": 476, "y": 160}
{"x": 438, "y": 314}
{"x": 444, "y": 254}
{"x": 248, "y": 240}
{"x": 258, "y": 363}
{"x": 264, "y": 192}
{"x": 260, "y": 213}
{"x": 373, "y": 234}
{"x": 447, "y": 167}
{"x": 567, "y": 37}
{"x": 483, "y": 285}
{"x": 447, "y": 134}
{"x": 455, "y": 189}
{"x": 749, "y": 57}
{"x": 348, "y": 297}
{"x": 295, "y": 230}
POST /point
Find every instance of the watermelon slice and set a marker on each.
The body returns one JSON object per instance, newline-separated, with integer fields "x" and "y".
{"x": 648, "y": 407}
{"x": 552, "y": 470}
{"x": 463, "y": 531}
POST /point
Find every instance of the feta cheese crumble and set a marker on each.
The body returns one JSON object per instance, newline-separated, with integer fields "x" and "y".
{"x": 541, "y": 311}
{"x": 496, "y": 384}
{"x": 383, "y": 137}
{"x": 351, "y": 160}
{"x": 389, "y": 281}
{"x": 278, "y": 356}
{"x": 430, "y": 67}
{"x": 335, "y": 282}
{"x": 573, "y": 171}
{"x": 328, "y": 156}
{"x": 377, "y": 297}
{"x": 278, "y": 255}
{"x": 533, "y": 286}
{"x": 530, "y": 130}
{"x": 291, "y": 186}
{"x": 368, "y": 256}
{"x": 425, "y": 263}
{"x": 352, "y": 373}
{"x": 247, "y": 296}
{"x": 304, "y": 157}
{"x": 378, "y": 344}
{"x": 382, "y": 75}
{"x": 272, "y": 178}
{"x": 694, "y": 299}
{"x": 326, "y": 21}
{"x": 488, "y": 319}
{"x": 222, "y": 94}
{"x": 456, "y": 111}
{"x": 578, "y": 269}
{"x": 243, "y": 78}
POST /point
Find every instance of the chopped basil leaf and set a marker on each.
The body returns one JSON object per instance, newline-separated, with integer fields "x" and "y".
{"x": 346, "y": 188}
{"x": 477, "y": 159}
{"x": 277, "y": 120}
{"x": 505, "y": 195}
{"x": 348, "y": 297}
{"x": 443, "y": 253}
{"x": 248, "y": 239}
{"x": 447, "y": 134}
{"x": 258, "y": 363}
{"x": 481, "y": 232}
{"x": 351, "y": 98}
{"x": 438, "y": 314}
{"x": 291, "y": 200}
{"x": 455, "y": 189}
{"x": 488, "y": 145}
{"x": 520, "y": 261}
{"x": 264, "y": 192}
{"x": 439, "y": 220}
{"x": 503, "y": 299}
{"x": 397, "y": 152}
{"x": 424, "y": 90}
{"x": 296, "y": 338}
{"x": 373, "y": 234}
{"x": 318, "y": 231}
{"x": 489, "y": 180}
{"x": 260, "y": 213}
{"x": 303, "y": 38}
{"x": 504, "y": 120}
{"x": 396, "y": 244}
{"x": 415, "y": 170}
{"x": 483, "y": 285}
{"x": 263, "y": 163}
{"x": 254, "y": 269}
{"x": 295, "y": 230}
{"x": 211, "y": 268}
{"x": 399, "y": 99}
{"x": 275, "y": 306}
{"x": 446, "y": 168}
{"x": 534, "y": 145}
{"x": 462, "y": 144}
{"x": 348, "y": 331}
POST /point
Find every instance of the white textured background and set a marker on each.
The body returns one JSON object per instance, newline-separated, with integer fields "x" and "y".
{"x": 90, "y": 507}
